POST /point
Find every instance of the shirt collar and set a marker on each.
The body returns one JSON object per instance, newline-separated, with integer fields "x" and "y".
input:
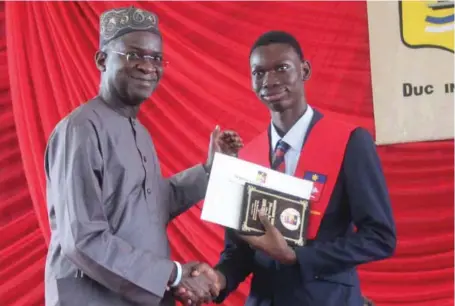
{"x": 295, "y": 136}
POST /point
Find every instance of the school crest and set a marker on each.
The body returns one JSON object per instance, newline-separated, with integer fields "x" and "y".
{"x": 427, "y": 24}
{"x": 261, "y": 177}
{"x": 319, "y": 181}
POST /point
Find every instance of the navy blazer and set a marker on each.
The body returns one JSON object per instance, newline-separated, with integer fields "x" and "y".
{"x": 325, "y": 273}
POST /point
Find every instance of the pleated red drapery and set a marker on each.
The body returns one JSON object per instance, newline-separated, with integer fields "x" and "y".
{"x": 48, "y": 50}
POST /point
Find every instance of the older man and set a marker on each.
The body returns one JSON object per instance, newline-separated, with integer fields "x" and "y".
{"x": 107, "y": 200}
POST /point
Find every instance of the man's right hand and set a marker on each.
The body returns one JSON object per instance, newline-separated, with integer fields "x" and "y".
{"x": 214, "y": 275}
{"x": 203, "y": 285}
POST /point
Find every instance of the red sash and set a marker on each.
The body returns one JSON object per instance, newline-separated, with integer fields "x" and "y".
{"x": 320, "y": 162}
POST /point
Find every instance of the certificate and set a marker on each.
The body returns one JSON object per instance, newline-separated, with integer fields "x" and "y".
{"x": 237, "y": 189}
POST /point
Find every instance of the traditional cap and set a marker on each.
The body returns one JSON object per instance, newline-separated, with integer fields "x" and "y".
{"x": 120, "y": 21}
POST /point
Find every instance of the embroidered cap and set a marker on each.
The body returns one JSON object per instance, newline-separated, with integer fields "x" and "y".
{"x": 120, "y": 21}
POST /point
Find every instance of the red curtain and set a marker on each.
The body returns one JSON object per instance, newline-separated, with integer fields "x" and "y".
{"x": 22, "y": 247}
{"x": 48, "y": 50}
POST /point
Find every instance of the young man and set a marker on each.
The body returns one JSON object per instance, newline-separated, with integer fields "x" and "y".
{"x": 108, "y": 203}
{"x": 351, "y": 220}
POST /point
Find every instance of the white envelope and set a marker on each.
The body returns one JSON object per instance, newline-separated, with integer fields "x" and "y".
{"x": 223, "y": 200}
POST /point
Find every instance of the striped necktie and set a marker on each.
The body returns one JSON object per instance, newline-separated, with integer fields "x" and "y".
{"x": 278, "y": 156}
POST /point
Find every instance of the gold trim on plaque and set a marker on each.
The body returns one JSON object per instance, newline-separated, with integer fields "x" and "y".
{"x": 303, "y": 203}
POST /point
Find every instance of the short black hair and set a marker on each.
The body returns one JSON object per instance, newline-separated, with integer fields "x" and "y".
{"x": 278, "y": 37}
{"x": 110, "y": 45}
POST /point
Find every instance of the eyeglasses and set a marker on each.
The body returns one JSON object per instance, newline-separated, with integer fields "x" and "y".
{"x": 134, "y": 57}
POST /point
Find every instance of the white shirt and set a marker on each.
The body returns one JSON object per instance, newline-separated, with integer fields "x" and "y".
{"x": 294, "y": 138}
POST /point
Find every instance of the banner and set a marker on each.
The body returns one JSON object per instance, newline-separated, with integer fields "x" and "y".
{"x": 412, "y": 69}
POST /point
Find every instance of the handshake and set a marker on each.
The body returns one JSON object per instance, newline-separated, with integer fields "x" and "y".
{"x": 200, "y": 284}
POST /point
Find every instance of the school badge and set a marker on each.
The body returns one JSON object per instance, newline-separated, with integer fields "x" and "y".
{"x": 427, "y": 24}
{"x": 318, "y": 184}
{"x": 261, "y": 177}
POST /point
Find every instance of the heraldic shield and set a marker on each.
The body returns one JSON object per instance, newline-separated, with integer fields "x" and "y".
{"x": 427, "y": 24}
